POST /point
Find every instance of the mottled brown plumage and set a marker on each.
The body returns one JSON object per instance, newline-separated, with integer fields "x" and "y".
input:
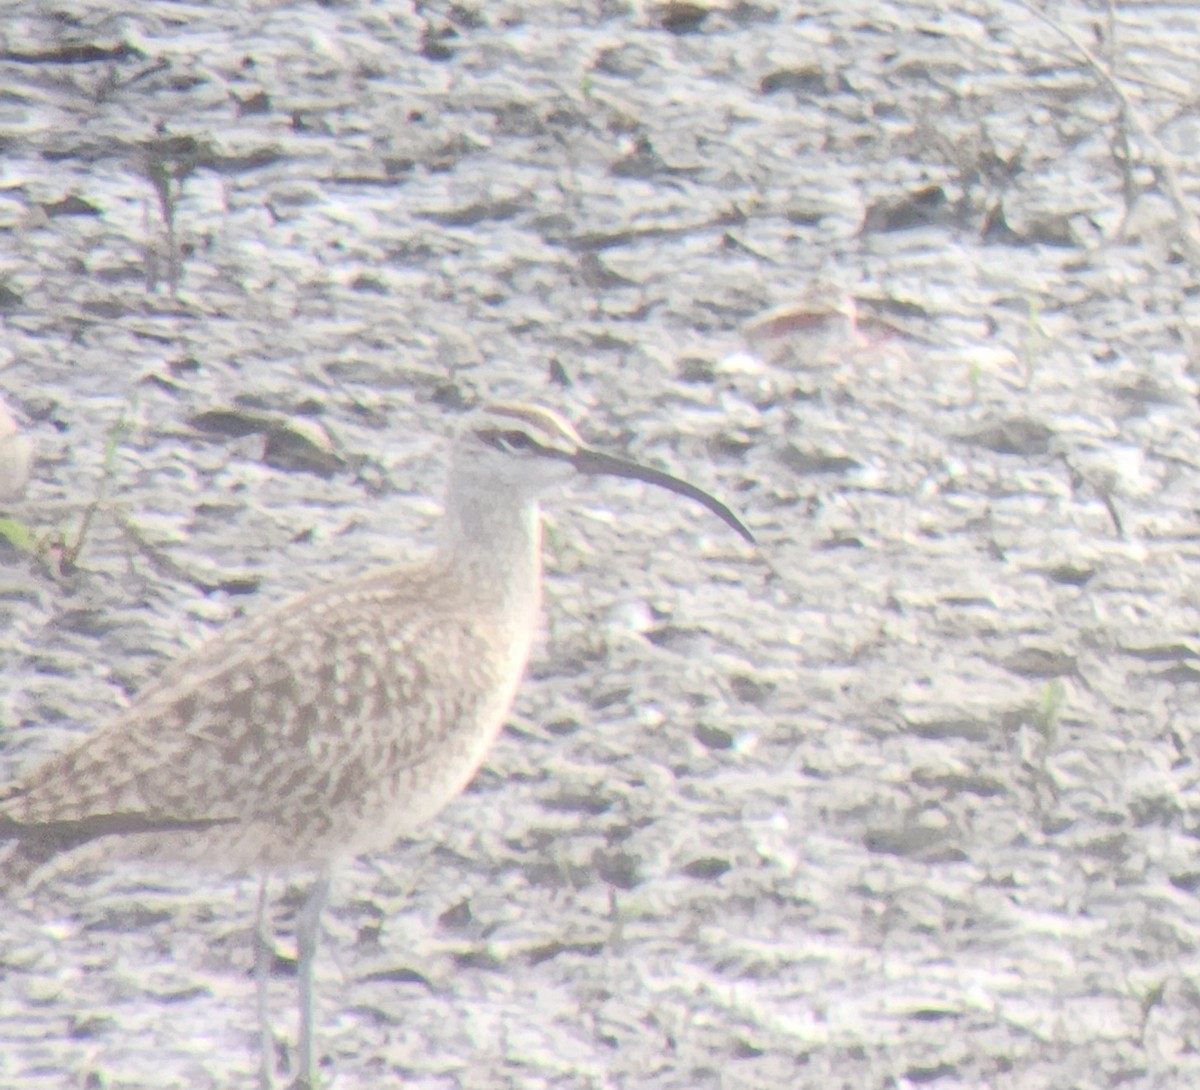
{"x": 335, "y": 724}
{"x": 328, "y": 728}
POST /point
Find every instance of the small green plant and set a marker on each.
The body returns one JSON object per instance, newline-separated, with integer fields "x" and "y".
{"x": 59, "y": 549}
{"x": 1039, "y": 737}
{"x": 18, "y": 534}
{"x": 974, "y": 374}
{"x": 167, "y": 161}
{"x": 1033, "y": 341}
{"x": 1051, "y": 702}
{"x": 69, "y": 553}
{"x": 1148, "y": 998}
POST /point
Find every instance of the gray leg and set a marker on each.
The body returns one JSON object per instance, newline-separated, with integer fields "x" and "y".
{"x": 308, "y": 932}
{"x": 263, "y": 952}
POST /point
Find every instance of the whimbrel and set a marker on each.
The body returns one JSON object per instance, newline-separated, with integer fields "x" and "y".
{"x": 339, "y": 722}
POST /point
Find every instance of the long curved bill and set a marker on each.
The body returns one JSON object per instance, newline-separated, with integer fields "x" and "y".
{"x": 597, "y": 463}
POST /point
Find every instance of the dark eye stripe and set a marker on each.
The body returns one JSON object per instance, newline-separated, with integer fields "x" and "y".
{"x": 518, "y": 440}
{"x": 508, "y": 440}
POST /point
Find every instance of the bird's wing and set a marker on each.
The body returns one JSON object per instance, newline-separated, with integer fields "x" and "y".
{"x": 337, "y": 680}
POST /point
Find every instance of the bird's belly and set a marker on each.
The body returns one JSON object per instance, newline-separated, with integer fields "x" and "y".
{"x": 317, "y": 815}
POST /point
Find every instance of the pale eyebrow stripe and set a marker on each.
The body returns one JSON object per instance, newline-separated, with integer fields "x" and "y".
{"x": 545, "y": 422}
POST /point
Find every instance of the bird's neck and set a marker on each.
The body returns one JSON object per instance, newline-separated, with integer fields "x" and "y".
{"x": 492, "y": 541}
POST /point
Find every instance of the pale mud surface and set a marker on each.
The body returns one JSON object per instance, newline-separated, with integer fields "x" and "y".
{"x": 920, "y": 810}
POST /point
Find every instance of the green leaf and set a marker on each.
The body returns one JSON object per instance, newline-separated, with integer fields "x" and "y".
{"x": 17, "y": 534}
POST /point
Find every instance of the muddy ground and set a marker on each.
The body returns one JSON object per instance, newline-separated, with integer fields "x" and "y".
{"x": 908, "y": 798}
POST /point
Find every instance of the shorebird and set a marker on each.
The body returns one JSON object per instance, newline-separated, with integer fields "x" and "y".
{"x": 337, "y": 723}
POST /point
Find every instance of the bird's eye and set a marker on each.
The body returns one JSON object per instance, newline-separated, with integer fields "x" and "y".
{"x": 509, "y": 440}
{"x": 514, "y": 440}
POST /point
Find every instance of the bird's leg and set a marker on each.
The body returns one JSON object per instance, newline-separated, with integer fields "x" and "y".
{"x": 308, "y": 933}
{"x": 263, "y": 955}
